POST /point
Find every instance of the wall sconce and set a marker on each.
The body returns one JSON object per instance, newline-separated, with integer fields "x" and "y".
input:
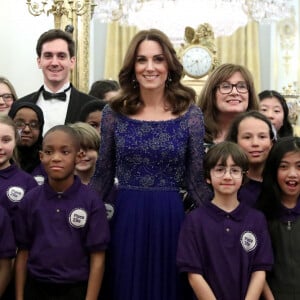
{"x": 292, "y": 95}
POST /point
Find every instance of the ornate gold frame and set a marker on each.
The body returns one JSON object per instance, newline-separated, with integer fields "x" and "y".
{"x": 81, "y": 34}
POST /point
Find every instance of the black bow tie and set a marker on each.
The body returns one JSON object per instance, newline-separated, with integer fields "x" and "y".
{"x": 59, "y": 96}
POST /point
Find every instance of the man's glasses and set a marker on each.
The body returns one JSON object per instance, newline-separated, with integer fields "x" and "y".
{"x": 226, "y": 87}
{"x": 220, "y": 171}
{"x": 32, "y": 125}
{"x": 7, "y": 97}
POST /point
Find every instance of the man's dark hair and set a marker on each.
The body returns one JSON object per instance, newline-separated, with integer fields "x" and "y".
{"x": 54, "y": 34}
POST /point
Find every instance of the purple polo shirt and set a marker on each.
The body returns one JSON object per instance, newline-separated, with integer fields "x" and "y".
{"x": 225, "y": 248}
{"x": 60, "y": 230}
{"x": 7, "y": 240}
{"x": 14, "y": 184}
{"x": 249, "y": 192}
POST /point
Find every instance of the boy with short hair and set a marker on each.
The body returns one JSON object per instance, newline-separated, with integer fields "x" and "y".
{"x": 224, "y": 246}
{"x": 61, "y": 229}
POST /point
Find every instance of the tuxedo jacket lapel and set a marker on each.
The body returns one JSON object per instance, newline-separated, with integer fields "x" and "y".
{"x": 77, "y": 100}
{"x": 74, "y": 106}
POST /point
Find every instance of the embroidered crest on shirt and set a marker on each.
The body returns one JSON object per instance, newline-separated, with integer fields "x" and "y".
{"x": 15, "y": 193}
{"x": 78, "y": 217}
{"x": 248, "y": 241}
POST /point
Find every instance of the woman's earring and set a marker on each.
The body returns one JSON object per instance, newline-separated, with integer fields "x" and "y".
{"x": 169, "y": 80}
{"x": 134, "y": 83}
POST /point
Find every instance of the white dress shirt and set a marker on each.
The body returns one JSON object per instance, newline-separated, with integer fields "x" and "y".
{"x": 54, "y": 110}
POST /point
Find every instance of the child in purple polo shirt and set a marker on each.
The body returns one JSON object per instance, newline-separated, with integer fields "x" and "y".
{"x": 224, "y": 246}
{"x": 14, "y": 182}
{"x": 255, "y": 134}
{"x": 7, "y": 250}
{"x": 61, "y": 229}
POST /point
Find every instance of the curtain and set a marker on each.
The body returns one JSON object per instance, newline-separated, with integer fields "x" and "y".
{"x": 240, "y": 48}
{"x": 117, "y": 41}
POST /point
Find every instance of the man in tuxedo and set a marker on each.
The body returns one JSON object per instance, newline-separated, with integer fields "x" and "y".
{"x": 59, "y": 100}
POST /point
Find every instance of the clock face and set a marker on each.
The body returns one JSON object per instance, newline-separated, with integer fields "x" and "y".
{"x": 197, "y": 61}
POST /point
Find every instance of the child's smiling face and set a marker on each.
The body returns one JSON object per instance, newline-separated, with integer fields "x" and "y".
{"x": 226, "y": 179}
{"x": 288, "y": 177}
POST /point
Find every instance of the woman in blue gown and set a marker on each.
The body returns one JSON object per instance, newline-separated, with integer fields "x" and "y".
{"x": 152, "y": 142}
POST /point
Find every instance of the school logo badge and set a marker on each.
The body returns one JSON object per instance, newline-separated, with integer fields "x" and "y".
{"x": 248, "y": 241}
{"x": 109, "y": 210}
{"x": 78, "y": 218}
{"x": 40, "y": 179}
{"x": 15, "y": 193}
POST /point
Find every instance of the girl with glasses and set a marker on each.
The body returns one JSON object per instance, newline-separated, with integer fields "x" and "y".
{"x": 29, "y": 120}
{"x": 228, "y": 91}
{"x": 7, "y": 95}
{"x": 224, "y": 246}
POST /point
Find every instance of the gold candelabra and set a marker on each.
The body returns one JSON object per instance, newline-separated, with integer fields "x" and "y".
{"x": 61, "y": 8}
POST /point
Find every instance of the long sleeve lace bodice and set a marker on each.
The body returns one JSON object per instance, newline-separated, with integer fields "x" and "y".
{"x": 158, "y": 155}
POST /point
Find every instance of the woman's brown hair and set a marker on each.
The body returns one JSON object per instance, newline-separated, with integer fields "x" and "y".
{"x": 207, "y": 98}
{"x": 178, "y": 95}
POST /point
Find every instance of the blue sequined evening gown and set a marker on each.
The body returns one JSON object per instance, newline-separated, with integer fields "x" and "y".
{"x": 151, "y": 160}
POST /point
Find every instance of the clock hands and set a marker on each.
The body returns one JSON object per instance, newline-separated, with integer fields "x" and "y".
{"x": 198, "y": 64}
{"x": 197, "y": 61}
